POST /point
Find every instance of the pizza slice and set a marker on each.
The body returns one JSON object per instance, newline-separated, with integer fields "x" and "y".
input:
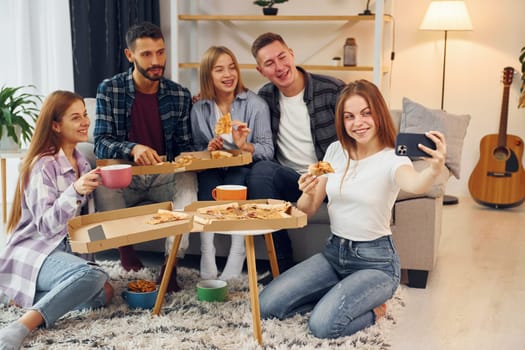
{"x": 224, "y": 125}
{"x": 227, "y": 211}
{"x": 266, "y": 211}
{"x": 320, "y": 168}
{"x": 218, "y": 154}
{"x": 183, "y": 160}
{"x": 163, "y": 216}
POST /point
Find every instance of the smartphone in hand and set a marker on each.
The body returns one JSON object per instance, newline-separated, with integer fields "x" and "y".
{"x": 406, "y": 145}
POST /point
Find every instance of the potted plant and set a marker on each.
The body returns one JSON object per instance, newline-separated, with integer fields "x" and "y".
{"x": 18, "y": 112}
{"x": 267, "y": 6}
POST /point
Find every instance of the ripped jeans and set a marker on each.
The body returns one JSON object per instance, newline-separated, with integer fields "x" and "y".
{"x": 340, "y": 286}
{"x": 67, "y": 282}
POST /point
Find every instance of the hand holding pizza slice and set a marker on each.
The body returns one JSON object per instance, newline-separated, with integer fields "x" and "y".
{"x": 320, "y": 168}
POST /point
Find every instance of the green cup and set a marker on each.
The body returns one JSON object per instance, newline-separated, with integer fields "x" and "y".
{"x": 212, "y": 290}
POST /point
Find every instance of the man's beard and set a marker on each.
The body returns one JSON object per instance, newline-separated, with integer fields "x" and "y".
{"x": 145, "y": 74}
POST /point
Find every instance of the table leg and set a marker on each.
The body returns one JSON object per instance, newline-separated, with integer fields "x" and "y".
{"x": 170, "y": 265}
{"x": 254, "y": 290}
{"x": 4, "y": 185}
{"x": 268, "y": 238}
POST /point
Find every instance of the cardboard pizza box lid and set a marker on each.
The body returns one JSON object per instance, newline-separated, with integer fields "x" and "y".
{"x": 297, "y": 218}
{"x": 116, "y": 228}
{"x": 203, "y": 161}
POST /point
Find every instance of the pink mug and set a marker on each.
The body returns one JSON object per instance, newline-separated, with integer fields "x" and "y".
{"x": 116, "y": 175}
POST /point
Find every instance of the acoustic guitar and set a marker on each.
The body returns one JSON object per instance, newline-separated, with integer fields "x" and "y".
{"x": 498, "y": 180}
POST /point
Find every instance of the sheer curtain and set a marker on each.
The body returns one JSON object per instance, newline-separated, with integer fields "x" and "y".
{"x": 36, "y": 50}
{"x": 36, "y": 44}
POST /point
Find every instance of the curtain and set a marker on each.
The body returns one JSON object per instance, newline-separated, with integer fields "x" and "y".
{"x": 98, "y": 30}
{"x": 36, "y": 45}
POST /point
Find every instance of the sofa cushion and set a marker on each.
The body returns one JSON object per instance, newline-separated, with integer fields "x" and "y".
{"x": 418, "y": 119}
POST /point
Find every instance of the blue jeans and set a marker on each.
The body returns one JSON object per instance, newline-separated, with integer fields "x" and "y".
{"x": 269, "y": 179}
{"x": 341, "y": 286}
{"x": 66, "y": 282}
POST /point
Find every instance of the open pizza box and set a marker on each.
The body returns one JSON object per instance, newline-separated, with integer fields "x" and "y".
{"x": 116, "y": 228}
{"x": 202, "y": 161}
{"x": 295, "y": 219}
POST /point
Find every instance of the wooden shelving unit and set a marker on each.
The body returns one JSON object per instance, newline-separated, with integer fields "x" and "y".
{"x": 379, "y": 19}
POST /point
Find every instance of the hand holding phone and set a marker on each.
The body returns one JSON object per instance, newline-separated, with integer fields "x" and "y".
{"x": 407, "y": 145}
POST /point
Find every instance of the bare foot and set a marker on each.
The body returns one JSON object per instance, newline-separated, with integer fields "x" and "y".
{"x": 380, "y": 311}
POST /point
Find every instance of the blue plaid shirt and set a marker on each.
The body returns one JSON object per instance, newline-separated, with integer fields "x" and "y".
{"x": 113, "y": 117}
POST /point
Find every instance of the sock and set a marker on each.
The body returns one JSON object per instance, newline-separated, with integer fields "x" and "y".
{"x": 208, "y": 265}
{"x": 129, "y": 259}
{"x": 235, "y": 262}
{"x": 12, "y": 336}
{"x": 172, "y": 284}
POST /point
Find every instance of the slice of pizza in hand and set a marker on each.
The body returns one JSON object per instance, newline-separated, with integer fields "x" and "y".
{"x": 224, "y": 125}
{"x": 163, "y": 216}
{"x": 320, "y": 168}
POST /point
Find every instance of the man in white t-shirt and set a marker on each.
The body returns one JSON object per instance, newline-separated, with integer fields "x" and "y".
{"x": 302, "y": 107}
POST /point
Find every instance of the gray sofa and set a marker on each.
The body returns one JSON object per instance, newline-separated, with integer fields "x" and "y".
{"x": 416, "y": 225}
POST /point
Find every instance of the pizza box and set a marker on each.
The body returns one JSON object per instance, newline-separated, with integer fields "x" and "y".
{"x": 297, "y": 218}
{"x": 116, "y": 228}
{"x": 202, "y": 162}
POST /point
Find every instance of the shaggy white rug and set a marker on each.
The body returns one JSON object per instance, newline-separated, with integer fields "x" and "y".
{"x": 186, "y": 323}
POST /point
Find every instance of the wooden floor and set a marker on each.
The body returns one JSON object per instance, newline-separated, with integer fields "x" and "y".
{"x": 475, "y": 297}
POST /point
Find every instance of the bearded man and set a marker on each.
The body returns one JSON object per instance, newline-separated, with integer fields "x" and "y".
{"x": 140, "y": 116}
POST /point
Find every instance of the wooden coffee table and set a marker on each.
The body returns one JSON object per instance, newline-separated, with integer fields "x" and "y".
{"x": 252, "y": 272}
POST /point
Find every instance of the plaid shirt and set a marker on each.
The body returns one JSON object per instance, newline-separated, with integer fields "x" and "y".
{"x": 320, "y": 95}
{"x": 115, "y": 98}
{"x": 49, "y": 201}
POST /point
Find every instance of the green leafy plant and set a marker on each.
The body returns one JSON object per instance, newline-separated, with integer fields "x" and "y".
{"x": 18, "y": 110}
{"x": 268, "y": 3}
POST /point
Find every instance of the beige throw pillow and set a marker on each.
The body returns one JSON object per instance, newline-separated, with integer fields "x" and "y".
{"x": 416, "y": 118}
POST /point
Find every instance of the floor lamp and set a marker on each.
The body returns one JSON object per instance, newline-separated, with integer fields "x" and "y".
{"x": 446, "y": 16}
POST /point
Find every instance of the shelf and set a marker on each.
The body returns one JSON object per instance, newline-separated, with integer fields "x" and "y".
{"x": 231, "y": 21}
{"x": 386, "y": 18}
{"x": 195, "y": 65}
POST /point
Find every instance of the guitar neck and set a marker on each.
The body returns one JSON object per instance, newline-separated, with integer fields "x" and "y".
{"x": 502, "y": 134}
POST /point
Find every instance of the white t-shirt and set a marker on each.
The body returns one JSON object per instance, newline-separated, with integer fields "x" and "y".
{"x": 361, "y": 208}
{"x": 295, "y": 146}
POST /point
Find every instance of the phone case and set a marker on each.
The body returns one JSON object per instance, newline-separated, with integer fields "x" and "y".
{"x": 406, "y": 145}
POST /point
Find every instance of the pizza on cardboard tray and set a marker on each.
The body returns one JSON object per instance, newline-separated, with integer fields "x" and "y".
{"x": 162, "y": 216}
{"x": 218, "y": 154}
{"x": 249, "y": 211}
{"x": 183, "y": 160}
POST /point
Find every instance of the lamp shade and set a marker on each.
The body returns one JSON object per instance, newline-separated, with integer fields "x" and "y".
{"x": 446, "y": 15}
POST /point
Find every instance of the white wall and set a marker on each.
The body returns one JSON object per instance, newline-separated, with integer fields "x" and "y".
{"x": 475, "y": 59}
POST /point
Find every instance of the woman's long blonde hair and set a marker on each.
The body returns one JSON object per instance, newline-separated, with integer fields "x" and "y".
{"x": 386, "y": 131}
{"x": 44, "y": 142}
{"x": 208, "y": 61}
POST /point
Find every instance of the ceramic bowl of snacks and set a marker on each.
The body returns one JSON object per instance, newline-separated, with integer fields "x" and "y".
{"x": 141, "y": 294}
{"x": 212, "y": 290}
